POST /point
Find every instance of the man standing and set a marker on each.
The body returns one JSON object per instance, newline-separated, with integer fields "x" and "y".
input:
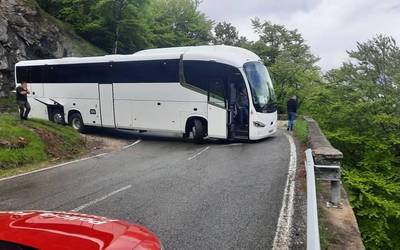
{"x": 22, "y": 100}
{"x": 292, "y": 112}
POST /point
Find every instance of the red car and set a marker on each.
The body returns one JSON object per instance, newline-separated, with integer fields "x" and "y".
{"x": 43, "y": 230}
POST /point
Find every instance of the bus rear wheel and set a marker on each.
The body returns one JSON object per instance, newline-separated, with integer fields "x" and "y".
{"x": 76, "y": 122}
{"x": 198, "y": 131}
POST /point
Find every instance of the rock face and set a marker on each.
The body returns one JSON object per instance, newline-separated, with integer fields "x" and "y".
{"x": 27, "y": 32}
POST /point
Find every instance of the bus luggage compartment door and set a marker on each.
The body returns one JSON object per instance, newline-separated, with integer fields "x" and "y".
{"x": 106, "y": 99}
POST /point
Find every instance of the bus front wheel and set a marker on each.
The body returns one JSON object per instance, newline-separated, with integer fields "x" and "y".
{"x": 198, "y": 131}
{"x": 76, "y": 122}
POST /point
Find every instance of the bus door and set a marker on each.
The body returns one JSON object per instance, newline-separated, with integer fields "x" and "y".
{"x": 217, "y": 113}
{"x": 238, "y": 107}
{"x": 106, "y": 99}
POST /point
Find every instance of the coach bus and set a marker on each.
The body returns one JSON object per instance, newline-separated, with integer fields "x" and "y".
{"x": 202, "y": 91}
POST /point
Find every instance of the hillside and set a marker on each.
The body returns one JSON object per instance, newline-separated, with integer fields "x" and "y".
{"x": 27, "y": 32}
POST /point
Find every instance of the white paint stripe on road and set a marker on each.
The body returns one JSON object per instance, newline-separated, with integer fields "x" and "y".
{"x": 56, "y": 166}
{"x": 199, "y": 153}
{"x": 282, "y": 235}
{"x": 131, "y": 145}
{"x": 100, "y": 199}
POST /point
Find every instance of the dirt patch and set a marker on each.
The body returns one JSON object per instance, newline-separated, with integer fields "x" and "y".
{"x": 299, "y": 226}
{"x": 17, "y": 143}
{"x": 98, "y": 144}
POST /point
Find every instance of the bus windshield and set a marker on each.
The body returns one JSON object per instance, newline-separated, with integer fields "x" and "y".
{"x": 262, "y": 91}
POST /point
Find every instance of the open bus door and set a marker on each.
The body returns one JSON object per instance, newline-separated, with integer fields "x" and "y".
{"x": 217, "y": 113}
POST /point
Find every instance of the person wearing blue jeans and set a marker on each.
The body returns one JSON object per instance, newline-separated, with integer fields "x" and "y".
{"x": 292, "y": 112}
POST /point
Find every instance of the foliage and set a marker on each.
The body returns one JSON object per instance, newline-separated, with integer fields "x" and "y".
{"x": 126, "y": 26}
{"x": 178, "y": 23}
{"x": 116, "y": 26}
{"x": 290, "y": 61}
{"x": 8, "y": 104}
{"x": 225, "y": 33}
{"x": 301, "y": 130}
{"x": 359, "y": 109}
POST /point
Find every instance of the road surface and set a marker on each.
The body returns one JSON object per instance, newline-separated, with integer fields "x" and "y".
{"x": 210, "y": 196}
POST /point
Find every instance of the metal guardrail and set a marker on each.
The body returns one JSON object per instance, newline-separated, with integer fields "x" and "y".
{"x": 312, "y": 211}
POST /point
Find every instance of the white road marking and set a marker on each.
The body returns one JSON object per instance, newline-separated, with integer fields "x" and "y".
{"x": 199, "y": 153}
{"x": 100, "y": 199}
{"x": 282, "y": 235}
{"x": 232, "y": 145}
{"x": 52, "y": 167}
{"x": 131, "y": 145}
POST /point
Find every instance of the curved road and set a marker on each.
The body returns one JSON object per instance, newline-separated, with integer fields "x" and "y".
{"x": 210, "y": 196}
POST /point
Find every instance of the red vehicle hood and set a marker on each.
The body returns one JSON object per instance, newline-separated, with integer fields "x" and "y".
{"x": 67, "y": 230}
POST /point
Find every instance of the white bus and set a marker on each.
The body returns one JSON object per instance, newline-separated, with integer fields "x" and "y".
{"x": 203, "y": 91}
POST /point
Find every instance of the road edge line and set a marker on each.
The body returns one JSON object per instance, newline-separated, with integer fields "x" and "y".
{"x": 282, "y": 235}
{"x": 132, "y": 144}
{"x": 52, "y": 167}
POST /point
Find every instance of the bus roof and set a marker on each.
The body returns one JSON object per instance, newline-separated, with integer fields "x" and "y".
{"x": 234, "y": 56}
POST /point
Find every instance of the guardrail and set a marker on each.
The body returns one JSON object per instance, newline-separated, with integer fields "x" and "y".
{"x": 312, "y": 211}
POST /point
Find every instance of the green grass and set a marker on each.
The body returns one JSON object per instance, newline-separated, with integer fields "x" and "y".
{"x": 8, "y": 104}
{"x": 25, "y": 144}
{"x": 301, "y": 130}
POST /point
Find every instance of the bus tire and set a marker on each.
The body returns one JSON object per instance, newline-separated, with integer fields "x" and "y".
{"x": 198, "y": 131}
{"x": 58, "y": 117}
{"x": 77, "y": 123}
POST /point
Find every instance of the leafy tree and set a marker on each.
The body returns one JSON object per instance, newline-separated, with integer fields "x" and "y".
{"x": 178, "y": 23}
{"x": 118, "y": 25}
{"x": 226, "y": 33}
{"x": 288, "y": 57}
{"x": 359, "y": 108}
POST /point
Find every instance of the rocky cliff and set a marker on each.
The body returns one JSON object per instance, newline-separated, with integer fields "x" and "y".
{"x": 27, "y": 32}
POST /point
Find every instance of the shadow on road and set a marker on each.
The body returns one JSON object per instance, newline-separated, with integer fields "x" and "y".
{"x": 161, "y": 137}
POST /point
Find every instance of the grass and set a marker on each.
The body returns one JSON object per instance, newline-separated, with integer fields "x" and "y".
{"x": 8, "y": 104}
{"x": 301, "y": 130}
{"x": 24, "y": 145}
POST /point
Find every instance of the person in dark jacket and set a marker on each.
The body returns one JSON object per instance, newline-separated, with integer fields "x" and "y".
{"x": 22, "y": 100}
{"x": 292, "y": 112}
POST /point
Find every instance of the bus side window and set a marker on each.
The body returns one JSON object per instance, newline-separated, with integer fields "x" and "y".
{"x": 216, "y": 93}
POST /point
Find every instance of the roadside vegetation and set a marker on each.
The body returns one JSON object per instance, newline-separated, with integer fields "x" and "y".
{"x": 301, "y": 130}
{"x": 27, "y": 143}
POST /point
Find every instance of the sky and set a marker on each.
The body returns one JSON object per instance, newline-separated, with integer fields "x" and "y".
{"x": 330, "y": 27}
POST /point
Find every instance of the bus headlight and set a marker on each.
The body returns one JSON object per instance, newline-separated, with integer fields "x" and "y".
{"x": 259, "y": 124}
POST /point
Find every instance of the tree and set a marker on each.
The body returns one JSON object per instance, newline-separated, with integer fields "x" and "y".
{"x": 116, "y": 26}
{"x": 226, "y": 33}
{"x": 178, "y": 23}
{"x": 288, "y": 57}
{"x": 359, "y": 108}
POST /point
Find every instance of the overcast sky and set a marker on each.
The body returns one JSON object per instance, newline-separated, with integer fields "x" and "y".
{"x": 330, "y": 27}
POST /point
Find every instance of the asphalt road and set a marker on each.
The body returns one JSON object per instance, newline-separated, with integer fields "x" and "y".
{"x": 211, "y": 196}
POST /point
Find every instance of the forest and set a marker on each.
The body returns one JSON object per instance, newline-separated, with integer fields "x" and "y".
{"x": 357, "y": 104}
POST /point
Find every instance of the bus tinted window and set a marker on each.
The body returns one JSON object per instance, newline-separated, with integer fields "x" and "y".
{"x": 209, "y": 76}
{"x": 155, "y": 71}
{"x": 79, "y": 73}
{"x": 22, "y": 74}
{"x": 146, "y": 71}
